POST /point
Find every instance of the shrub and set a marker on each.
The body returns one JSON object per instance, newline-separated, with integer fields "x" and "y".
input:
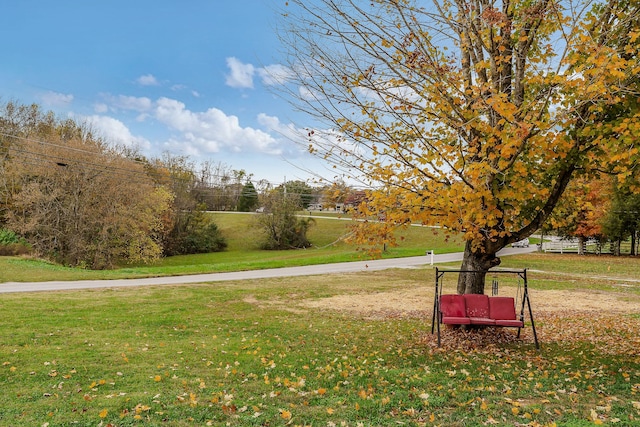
{"x": 14, "y": 249}
{"x": 8, "y": 237}
{"x": 281, "y": 227}
{"x": 11, "y": 244}
{"x": 193, "y": 233}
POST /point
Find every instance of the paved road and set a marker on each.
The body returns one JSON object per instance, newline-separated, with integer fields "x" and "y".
{"x": 344, "y": 267}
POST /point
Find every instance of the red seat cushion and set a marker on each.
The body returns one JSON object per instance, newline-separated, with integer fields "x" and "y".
{"x": 482, "y": 321}
{"x": 502, "y": 308}
{"x": 514, "y": 323}
{"x": 477, "y": 306}
{"x": 452, "y": 306}
{"x": 456, "y": 320}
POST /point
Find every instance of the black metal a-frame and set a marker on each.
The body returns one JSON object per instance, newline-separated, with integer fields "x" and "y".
{"x": 522, "y": 274}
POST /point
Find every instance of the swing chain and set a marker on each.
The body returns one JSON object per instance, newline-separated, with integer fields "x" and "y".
{"x": 519, "y": 295}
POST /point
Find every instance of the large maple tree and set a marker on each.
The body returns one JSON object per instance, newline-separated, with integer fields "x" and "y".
{"x": 470, "y": 115}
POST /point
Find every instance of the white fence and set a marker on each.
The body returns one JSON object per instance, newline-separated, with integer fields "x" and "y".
{"x": 572, "y": 246}
{"x": 561, "y": 246}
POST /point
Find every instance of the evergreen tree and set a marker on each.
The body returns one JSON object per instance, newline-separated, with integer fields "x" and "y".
{"x": 248, "y": 198}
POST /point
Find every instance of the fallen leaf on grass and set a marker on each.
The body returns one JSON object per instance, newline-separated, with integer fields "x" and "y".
{"x": 564, "y": 326}
{"x": 490, "y": 421}
{"x": 285, "y": 415}
{"x": 229, "y": 410}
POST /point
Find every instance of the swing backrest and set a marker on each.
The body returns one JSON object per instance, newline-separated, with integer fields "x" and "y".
{"x": 452, "y": 306}
{"x": 502, "y": 308}
{"x": 477, "y": 305}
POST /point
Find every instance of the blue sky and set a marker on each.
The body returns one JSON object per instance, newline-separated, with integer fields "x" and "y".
{"x": 193, "y": 77}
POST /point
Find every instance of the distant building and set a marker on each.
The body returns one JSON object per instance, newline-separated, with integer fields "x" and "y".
{"x": 354, "y": 199}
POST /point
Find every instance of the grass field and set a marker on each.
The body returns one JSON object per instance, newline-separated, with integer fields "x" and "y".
{"x": 339, "y": 350}
{"x": 307, "y": 351}
{"x": 243, "y": 253}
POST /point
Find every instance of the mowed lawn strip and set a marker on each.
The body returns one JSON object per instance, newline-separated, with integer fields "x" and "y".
{"x": 255, "y": 353}
{"x": 243, "y": 253}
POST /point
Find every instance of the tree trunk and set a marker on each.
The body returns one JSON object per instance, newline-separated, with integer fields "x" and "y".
{"x": 475, "y": 264}
{"x": 581, "y": 245}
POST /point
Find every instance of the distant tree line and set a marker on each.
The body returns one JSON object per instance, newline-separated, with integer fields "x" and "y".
{"x": 604, "y": 210}
{"x": 68, "y": 195}
{"x": 75, "y": 199}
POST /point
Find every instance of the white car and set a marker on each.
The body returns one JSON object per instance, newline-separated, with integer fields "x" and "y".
{"x": 524, "y": 243}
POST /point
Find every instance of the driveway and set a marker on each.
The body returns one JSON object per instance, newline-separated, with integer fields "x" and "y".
{"x": 310, "y": 270}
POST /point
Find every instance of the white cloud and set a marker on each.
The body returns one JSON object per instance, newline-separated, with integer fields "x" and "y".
{"x": 275, "y": 74}
{"x": 181, "y": 87}
{"x": 101, "y": 108}
{"x": 295, "y": 140}
{"x": 147, "y": 80}
{"x": 212, "y": 130}
{"x": 198, "y": 132}
{"x": 142, "y": 117}
{"x": 309, "y": 94}
{"x": 56, "y": 99}
{"x": 241, "y": 75}
{"x": 270, "y": 122}
{"x": 135, "y": 103}
{"x": 287, "y": 131}
{"x": 117, "y": 132}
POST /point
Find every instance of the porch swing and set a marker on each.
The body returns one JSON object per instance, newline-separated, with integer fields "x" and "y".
{"x": 476, "y": 309}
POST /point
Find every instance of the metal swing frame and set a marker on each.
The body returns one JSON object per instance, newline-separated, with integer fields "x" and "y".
{"x": 522, "y": 275}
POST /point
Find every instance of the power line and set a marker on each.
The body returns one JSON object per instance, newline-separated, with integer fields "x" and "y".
{"x": 39, "y": 159}
{"x": 61, "y": 161}
{"x": 134, "y": 160}
{"x": 30, "y": 159}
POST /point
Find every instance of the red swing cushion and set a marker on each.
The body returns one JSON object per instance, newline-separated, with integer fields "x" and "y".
{"x": 478, "y": 309}
{"x": 453, "y": 310}
{"x": 503, "y": 310}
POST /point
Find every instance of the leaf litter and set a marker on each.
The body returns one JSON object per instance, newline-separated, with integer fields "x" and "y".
{"x": 560, "y": 316}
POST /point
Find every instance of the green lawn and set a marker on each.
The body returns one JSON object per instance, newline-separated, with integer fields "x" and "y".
{"x": 282, "y": 352}
{"x": 256, "y": 353}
